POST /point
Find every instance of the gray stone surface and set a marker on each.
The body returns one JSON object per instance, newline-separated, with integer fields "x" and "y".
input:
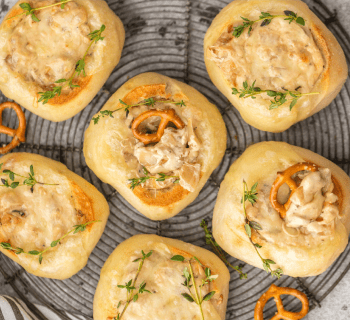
{"x": 337, "y": 304}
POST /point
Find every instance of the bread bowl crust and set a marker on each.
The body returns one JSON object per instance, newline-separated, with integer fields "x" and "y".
{"x": 329, "y": 84}
{"x": 256, "y": 163}
{"x": 114, "y": 268}
{"x": 107, "y": 52}
{"x": 72, "y": 254}
{"x": 111, "y": 168}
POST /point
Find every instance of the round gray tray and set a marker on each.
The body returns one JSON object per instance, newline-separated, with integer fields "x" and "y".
{"x": 166, "y": 36}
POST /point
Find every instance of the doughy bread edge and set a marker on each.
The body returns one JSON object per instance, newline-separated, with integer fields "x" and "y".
{"x": 118, "y": 261}
{"x": 13, "y": 86}
{"x": 330, "y": 83}
{"x": 228, "y": 222}
{"x": 88, "y": 239}
{"x": 110, "y": 166}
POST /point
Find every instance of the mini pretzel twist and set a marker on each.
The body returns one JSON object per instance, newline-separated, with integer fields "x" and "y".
{"x": 286, "y": 177}
{"x": 17, "y": 134}
{"x": 282, "y": 314}
{"x": 166, "y": 117}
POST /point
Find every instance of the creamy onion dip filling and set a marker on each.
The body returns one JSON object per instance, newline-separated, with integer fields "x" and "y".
{"x": 46, "y": 51}
{"x": 31, "y": 220}
{"x": 176, "y": 154}
{"x": 279, "y": 56}
{"x": 311, "y": 216}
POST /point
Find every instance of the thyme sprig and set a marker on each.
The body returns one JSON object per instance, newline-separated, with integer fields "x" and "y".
{"x": 29, "y": 11}
{"x": 279, "y": 98}
{"x": 251, "y": 196}
{"x": 95, "y": 36}
{"x": 266, "y": 19}
{"x": 76, "y": 229}
{"x": 130, "y": 286}
{"x": 209, "y": 239}
{"x": 190, "y": 282}
{"x": 135, "y": 182}
{"x": 148, "y": 102}
{"x": 29, "y": 181}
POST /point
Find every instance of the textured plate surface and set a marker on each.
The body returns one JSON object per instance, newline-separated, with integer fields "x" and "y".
{"x": 166, "y": 36}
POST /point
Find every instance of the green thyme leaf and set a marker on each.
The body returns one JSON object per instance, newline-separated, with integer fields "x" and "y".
{"x": 35, "y": 18}
{"x": 300, "y": 20}
{"x": 248, "y": 230}
{"x": 25, "y": 6}
{"x": 208, "y": 296}
{"x": 178, "y": 258}
{"x": 200, "y": 263}
{"x": 255, "y": 225}
{"x": 34, "y": 253}
{"x": 55, "y": 243}
{"x": 187, "y": 297}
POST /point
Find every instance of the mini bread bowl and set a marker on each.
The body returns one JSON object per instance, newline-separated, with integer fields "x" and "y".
{"x": 34, "y": 55}
{"x": 163, "y": 278}
{"x": 276, "y": 56}
{"x": 115, "y": 155}
{"x": 301, "y": 244}
{"x": 32, "y": 218}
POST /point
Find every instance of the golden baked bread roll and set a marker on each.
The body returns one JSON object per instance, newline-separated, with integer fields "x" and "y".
{"x": 55, "y": 60}
{"x": 284, "y": 69}
{"x": 158, "y": 265}
{"x": 157, "y": 141}
{"x": 305, "y": 235}
{"x": 50, "y": 218}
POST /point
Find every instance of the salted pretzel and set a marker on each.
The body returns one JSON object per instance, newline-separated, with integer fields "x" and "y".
{"x": 167, "y": 116}
{"x": 282, "y": 314}
{"x": 17, "y": 134}
{"x": 286, "y": 177}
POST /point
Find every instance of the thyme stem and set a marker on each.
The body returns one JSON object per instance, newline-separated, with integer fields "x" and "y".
{"x": 162, "y": 177}
{"x": 148, "y": 102}
{"x": 77, "y": 228}
{"x": 30, "y": 11}
{"x": 250, "y": 195}
{"x": 279, "y": 98}
{"x": 44, "y": 97}
{"x": 199, "y": 301}
{"x": 266, "y": 18}
{"x": 218, "y": 250}
{"x": 131, "y": 286}
{"x": 29, "y": 181}
{"x": 130, "y": 295}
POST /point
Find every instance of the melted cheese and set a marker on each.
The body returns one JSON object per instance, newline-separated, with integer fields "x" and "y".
{"x": 163, "y": 277}
{"x": 309, "y": 219}
{"x": 32, "y": 220}
{"x": 46, "y": 51}
{"x": 176, "y": 154}
{"x": 278, "y": 56}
